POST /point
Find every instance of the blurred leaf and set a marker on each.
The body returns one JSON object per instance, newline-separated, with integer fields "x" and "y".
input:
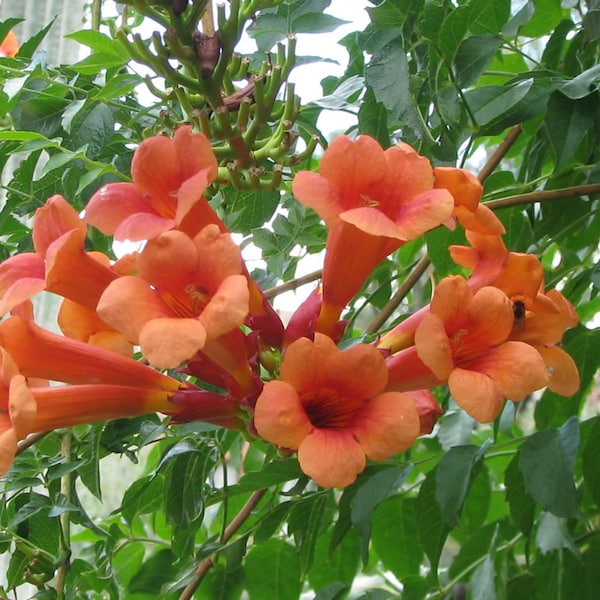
{"x": 273, "y": 571}
{"x": 456, "y": 469}
{"x": 155, "y": 571}
{"x": 546, "y": 462}
{"x": 590, "y": 460}
{"x": 395, "y": 536}
{"x": 522, "y": 505}
{"x": 432, "y": 528}
{"x": 377, "y": 488}
{"x": 552, "y": 534}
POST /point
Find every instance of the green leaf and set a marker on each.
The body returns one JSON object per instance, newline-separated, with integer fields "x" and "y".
{"x": 472, "y": 549}
{"x": 473, "y": 56}
{"x": 97, "y": 41}
{"x": 522, "y": 505}
{"x": 377, "y": 488}
{"x": 247, "y": 210}
{"x": 273, "y": 473}
{"x": 583, "y": 85}
{"x": 498, "y": 107}
{"x": 98, "y": 61}
{"x": 432, "y": 528}
{"x": 395, "y": 536}
{"x": 155, "y": 571}
{"x": 567, "y": 122}
{"x": 546, "y": 462}
{"x": 92, "y": 128}
{"x": 454, "y": 474}
{"x": 590, "y": 460}
{"x": 334, "y": 591}
{"x": 273, "y": 571}
{"x": 338, "y": 566}
{"x": 304, "y": 523}
{"x": 387, "y": 74}
{"x": 548, "y": 13}
{"x": 482, "y": 584}
{"x": 184, "y": 489}
{"x": 552, "y": 534}
{"x": 372, "y": 119}
{"x": 128, "y": 561}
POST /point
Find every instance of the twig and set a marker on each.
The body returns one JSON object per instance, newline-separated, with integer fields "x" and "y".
{"x": 499, "y": 153}
{"x": 544, "y": 196}
{"x": 65, "y": 518}
{"x": 382, "y": 316}
{"x": 292, "y": 284}
{"x": 30, "y": 440}
{"x": 205, "y": 565}
{"x": 96, "y": 9}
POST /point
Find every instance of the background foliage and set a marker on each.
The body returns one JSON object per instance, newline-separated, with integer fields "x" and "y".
{"x": 511, "y": 510}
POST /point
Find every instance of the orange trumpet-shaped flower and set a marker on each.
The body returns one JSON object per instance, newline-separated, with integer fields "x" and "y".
{"x": 26, "y": 409}
{"x": 463, "y": 340}
{"x": 169, "y": 180}
{"x": 372, "y": 201}
{"x": 59, "y": 263}
{"x": 329, "y": 406}
{"x": 9, "y": 45}
{"x": 41, "y": 354}
{"x": 188, "y": 291}
{"x": 542, "y": 325}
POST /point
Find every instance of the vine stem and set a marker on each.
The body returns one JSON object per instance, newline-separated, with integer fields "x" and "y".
{"x": 205, "y": 565}
{"x": 65, "y": 518}
{"x": 208, "y": 22}
{"x": 292, "y": 284}
{"x": 96, "y": 9}
{"x": 30, "y": 440}
{"x": 500, "y": 152}
{"x": 544, "y": 196}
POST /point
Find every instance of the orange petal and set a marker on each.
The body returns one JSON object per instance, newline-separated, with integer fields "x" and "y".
{"x": 433, "y": 346}
{"x": 195, "y": 153}
{"x": 424, "y": 212}
{"x": 386, "y": 425}
{"x": 452, "y": 296}
{"x": 22, "y": 407}
{"x": 353, "y": 167}
{"x": 482, "y": 220}
{"x": 112, "y": 204}
{"x": 228, "y": 308}
{"x": 564, "y": 374}
{"x": 190, "y": 193}
{"x": 167, "y": 342}
{"x": 8, "y": 444}
{"x": 53, "y": 219}
{"x": 316, "y": 192}
{"x": 279, "y": 416}
{"x": 128, "y": 304}
{"x": 463, "y": 185}
{"x": 332, "y": 458}
{"x": 359, "y": 371}
{"x": 517, "y": 368}
{"x": 476, "y": 393}
{"x": 489, "y": 318}
{"x": 9, "y": 45}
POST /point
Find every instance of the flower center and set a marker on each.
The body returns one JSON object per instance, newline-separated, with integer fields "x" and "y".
{"x": 328, "y": 409}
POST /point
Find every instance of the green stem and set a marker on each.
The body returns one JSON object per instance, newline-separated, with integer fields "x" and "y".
{"x": 66, "y": 481}
{"x": 96, "y": 14}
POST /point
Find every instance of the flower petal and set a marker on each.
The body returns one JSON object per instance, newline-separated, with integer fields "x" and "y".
{"x": 167, "y": 342}
{"x": 279, "y": 416}
{"x": 476, "y": 393}
{"x": 386, "y": 425}
{"x": 433, "y": 346}
{"x": 564, "y": 374}
{"x": 228, "y": 308}
{"x": 332, "y": 458}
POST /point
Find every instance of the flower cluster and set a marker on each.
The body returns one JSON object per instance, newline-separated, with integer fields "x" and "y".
{"x": 187, "y": 302}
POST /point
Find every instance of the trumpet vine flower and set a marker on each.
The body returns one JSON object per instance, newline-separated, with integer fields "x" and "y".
{"x": 330, "y": 407}
{"x": 170, "y": 177}
{"x": 464, "y": 340}
{"x": 372, "y": 200}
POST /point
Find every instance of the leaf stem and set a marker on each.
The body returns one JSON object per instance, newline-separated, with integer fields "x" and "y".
{"x": 205, "y": 565}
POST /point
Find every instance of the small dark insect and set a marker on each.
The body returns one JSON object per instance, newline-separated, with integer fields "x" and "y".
{"x": 519, "y": 311}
